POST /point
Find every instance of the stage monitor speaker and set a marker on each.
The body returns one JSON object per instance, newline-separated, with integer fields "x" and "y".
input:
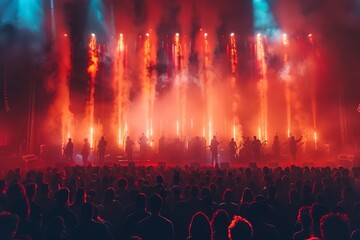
{"x": 253, "y": 165}
{"x": 162, "y": 164}
{"x": 225, "y": 165}
{"x": 194, "y": 164}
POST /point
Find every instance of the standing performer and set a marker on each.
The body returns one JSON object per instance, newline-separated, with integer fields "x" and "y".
{"x": 85, "y": 151}
{"x": 293, "y": 145}
{"x": 69, "y": 150}
{"x": 276, "y": 147}
{"x": 256, "y": 144}
{"x": 101, "y": 150}
{"x": 129, "y": 148}
{"x": 143, "y": 141}
{"x": 232, "y": 149}
{"x": 214, "y": 151}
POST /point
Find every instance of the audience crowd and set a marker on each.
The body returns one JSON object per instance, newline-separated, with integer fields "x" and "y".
{"x": 155, "y": 203}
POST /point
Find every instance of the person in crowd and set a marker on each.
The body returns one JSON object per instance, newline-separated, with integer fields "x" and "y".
{"x": 304, "y": 218}
{"x": 8, "y": 225}
{"x": 334, "y": 227}
{"x": 199, "y": 228}
{"x": 90, "y": 229}
{"x": 62, "y": 209}
{"x": 240, "y": 229}
{"x": 55, "y": 229}
{"x": 156, "y": 227}
{"x": 132, "y": 221}
{"x": 35, "y": 213}
{"x": 219, "y": 225}
{"x": 228, "y": 205}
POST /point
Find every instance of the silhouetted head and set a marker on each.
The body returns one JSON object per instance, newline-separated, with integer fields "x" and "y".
{"x": 109, "y": 195}
{"x": 334, "y": 227}
{"x": 62, "y": 196}
{"x": 155, "y": 203}
{"x": 194, "y": 191}
{"x": 87, "y": 211}
{"x": 272, "y": 192}
{"x": 31, "y": 190}
{"x": 247, "y": 196}
{"x": 220, "y": 223}
{"x": 140, "y": 201}
{"x": 304, "y": 217}
{"x": 240, "y": 228}
{"x": 69, "y": 139}
{"x": 228, "y": 195}
{"x": 122, "y": 183}
{"x": 159, "y": 179}
{"x": 200, "y": 227}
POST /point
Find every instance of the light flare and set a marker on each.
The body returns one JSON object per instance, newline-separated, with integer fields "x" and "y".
{"x": 91, "y": 137}
{"x": 262, "y": 86}
{"x": 92, "y": 70}
{"x": 288, "y": 95}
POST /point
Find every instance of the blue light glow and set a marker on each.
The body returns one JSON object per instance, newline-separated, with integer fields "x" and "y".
{"x": 96, "y": 22}
{"x": 263, "y": 18}
{"x": 30, "y": 15}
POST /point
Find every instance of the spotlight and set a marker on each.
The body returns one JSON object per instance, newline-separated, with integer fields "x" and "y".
{"x": 177, "y": 34}
{"x": 93, "y": 34}
{"x": 232, "y": 34}
{"x": 147, "y": 34}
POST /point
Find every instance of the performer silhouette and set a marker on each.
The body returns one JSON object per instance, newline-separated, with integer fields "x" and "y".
{"x": 143, "y": 141}
{"x": 232, "y": 149}
{"x": 214, "y": 151}
{"x": 293, "y": 146}
{"x": 85, "y": 152}
{"x": 69, "y": 150}
{"x": 129, "y": 148}
{"x": 276, "y": 147}
{"x": 101, "y": 150}
{"x": 256, "y": 144}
